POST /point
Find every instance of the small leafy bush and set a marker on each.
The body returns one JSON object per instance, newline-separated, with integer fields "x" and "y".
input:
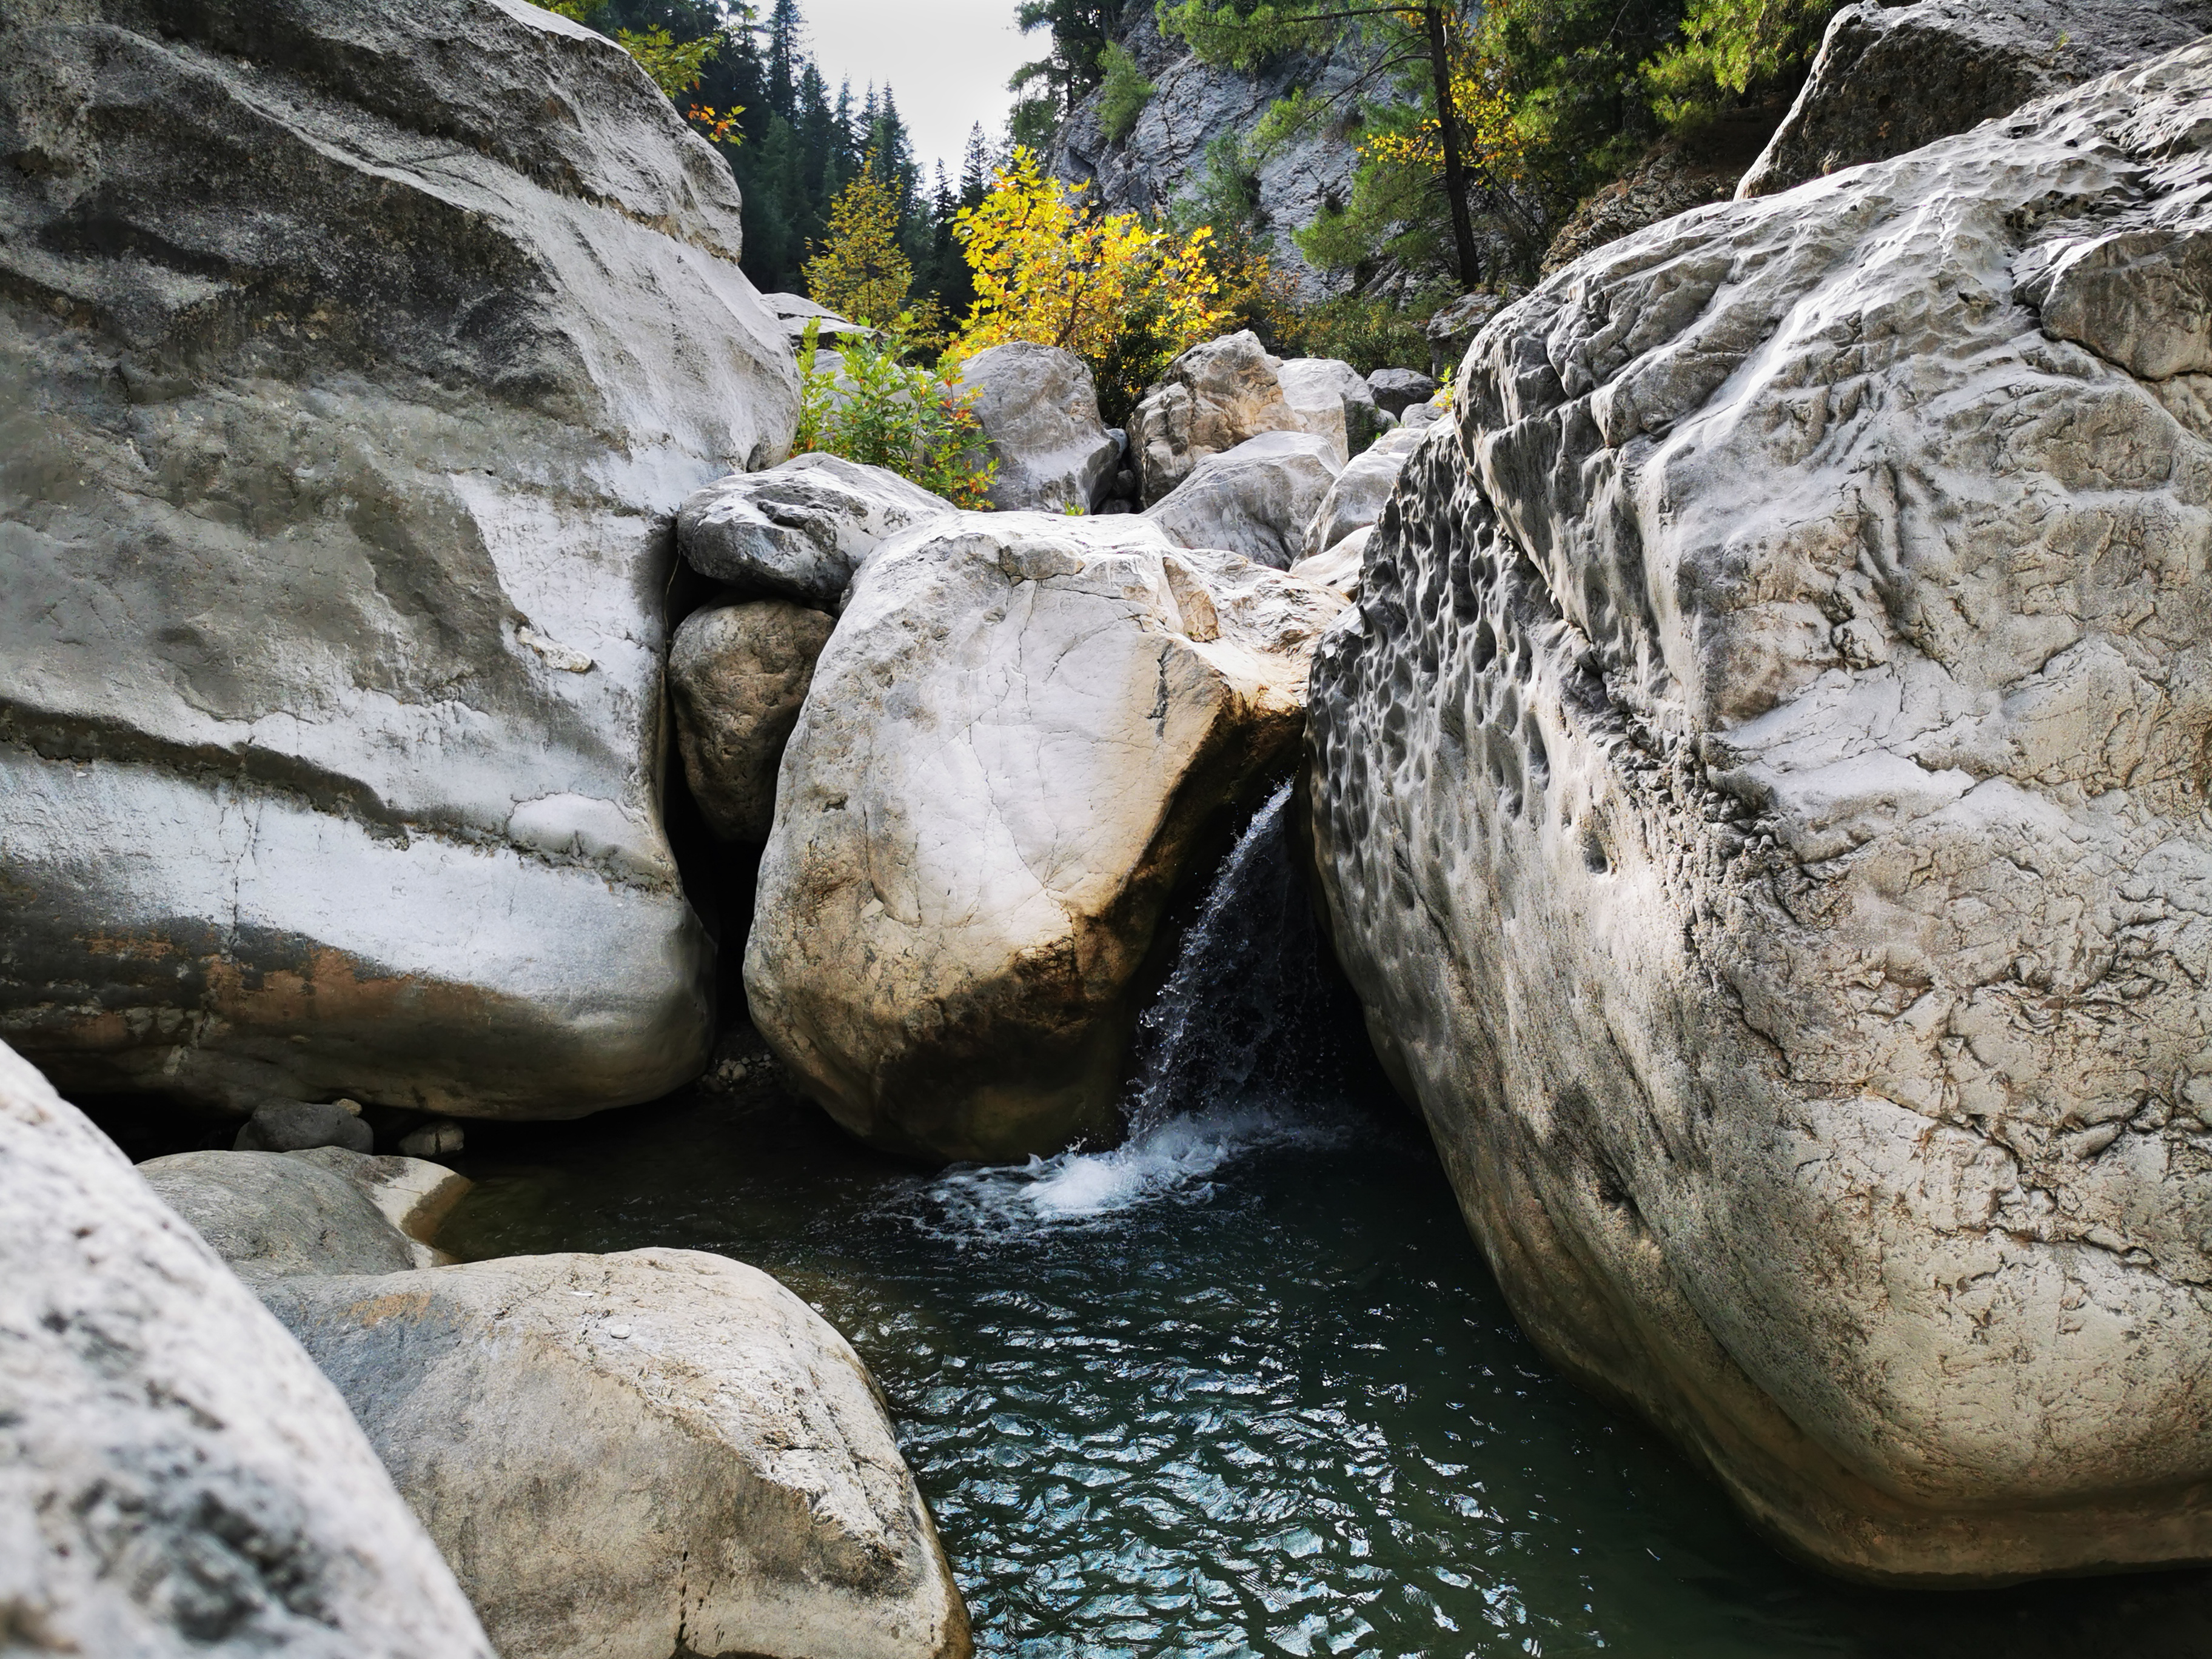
{"x": 883, "y": 411}
{"x": 1123, "y": 92}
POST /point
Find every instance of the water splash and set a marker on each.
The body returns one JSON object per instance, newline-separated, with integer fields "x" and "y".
{"x": 1218, "y": 1056}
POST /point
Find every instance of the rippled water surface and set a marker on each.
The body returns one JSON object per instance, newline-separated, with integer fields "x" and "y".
{"x": 1244, "y": 1386}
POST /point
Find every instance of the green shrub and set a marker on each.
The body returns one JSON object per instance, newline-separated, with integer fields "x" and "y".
{"x": 1369, "y": 334}
{"x": 883, "y": 411}
{"x": 1123, "y": 91}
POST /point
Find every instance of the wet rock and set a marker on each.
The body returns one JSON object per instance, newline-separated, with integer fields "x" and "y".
{"x": 1759, "y": 801}
{"x": 1022, "y": 732}
{"x": 631, "y": 1455}
{"x": 175, "y": 1475}
{"x": 1396, "y": 390}
{"x": 1255, "y": 499}
{"x": 1891, "y": 77}
{"x": 269, "y": 1215}
{"x": 1332, "y": 400}
{"x": 414, "y": 1195}
{"x": 358, "y": 357}
{"x": 1039, "y": 413}
{"x": 798, "y": 531}
{"x": 1357, "y": 496}
{"x": 737, "y": 677}
{"x": 1212, "y": 397}
{"x": 288, "y": 1125}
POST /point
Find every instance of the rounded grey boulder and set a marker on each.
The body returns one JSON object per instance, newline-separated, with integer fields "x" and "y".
{"x": 1038, "y": 409}
{"x": 799, "y": 531}
{"x": 738, "y": 676}
{"x": 1256, "y": 499}
{"x": 271, "y": 1216}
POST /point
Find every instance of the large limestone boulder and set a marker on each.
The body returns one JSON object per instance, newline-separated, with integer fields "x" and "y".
{"x": 627, "y": 1456}
{"x": 176, "y": 1478}
{"x": 1212, "y": 397}
{"x": 1038, "y": 410}
{"x": 1357, "y": 494}
{"x": 1256, "y": 499}
{"x": 1339, "y": 567}
{"x": 1332, "y": 400}
{"x": 356, "y": 357}
{"x": 1025, "y": 729}
{"x": 1759, "y": 798}
{"x": 798, "y": 531}
{"x": 737, "y": 675}
{"x": 1892, "y": 77}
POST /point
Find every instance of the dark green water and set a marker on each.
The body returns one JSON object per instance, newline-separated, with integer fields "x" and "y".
{"x": 1244, "y": 1387}
{"x": 1274, "y": 1409}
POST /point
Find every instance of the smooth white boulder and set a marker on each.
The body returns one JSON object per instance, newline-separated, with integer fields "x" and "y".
{"x": 1332, "y": 400}
{"x": 1212, "y": 397}
{"x": 627, "y": 1456}
{"x": 1038, "y": 409}
{"x": 339, "y": 462}
{"x": 737, "y": 675}
{"x": 1760, "y": 801}
{"x": 799, "y": 531}
{"x": 1256, "y": 499}
{"x": 1357, "y": 494}
{"x": 1339, "y": 567}
{"x": 176, "y": 1477}
{"x": 1025, "y": 729}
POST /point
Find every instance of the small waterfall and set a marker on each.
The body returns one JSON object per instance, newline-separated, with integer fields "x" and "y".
{"x": 1235, "y": 1042}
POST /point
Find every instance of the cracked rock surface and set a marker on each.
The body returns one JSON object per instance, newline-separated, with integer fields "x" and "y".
{"x": 352, "y": 359}
{"x": 630, "y": 1455}
{"x": 176, "y": 1477}
{"x": 1025, "y": 729}
{"x": 1760, "y": 798}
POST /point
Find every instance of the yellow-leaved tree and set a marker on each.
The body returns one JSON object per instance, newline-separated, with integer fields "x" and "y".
{"x": 1050, "y": 267}
{"x": 859, "y": 271}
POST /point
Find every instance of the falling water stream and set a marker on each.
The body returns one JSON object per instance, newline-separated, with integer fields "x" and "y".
{"x": 1242, "y": 1384}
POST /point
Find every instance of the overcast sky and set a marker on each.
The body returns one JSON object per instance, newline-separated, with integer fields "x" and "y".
{"x": 946, "y": 60}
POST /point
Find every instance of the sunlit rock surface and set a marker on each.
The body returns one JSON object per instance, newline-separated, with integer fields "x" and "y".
{"x": 1022, "y": 731}
{"x": 1760, "y": 799}
{"x": 176, "y": 1478}
{"x": 1256, "y": 499}
{"x": 352, "y": 360}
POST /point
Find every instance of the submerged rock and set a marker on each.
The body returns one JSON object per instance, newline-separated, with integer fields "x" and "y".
{"x": 627, "y": 1456}
{"x": 1758, "y": 798}
{"x": 175, "y": 1476}
{"x": 1023, "y": 731}
{"x": 1255, "y": 499}
{"x": 737, "y": 677}
{"x": 1038, "y": 409}
{"x": 1212, "y": 397}
{"x": 357, "y": 357}
{"x": 1892, "y": 77}
{"x": 798, "y": 531}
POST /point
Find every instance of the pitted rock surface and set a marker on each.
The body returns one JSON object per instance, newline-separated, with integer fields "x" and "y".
{"x": 354, "y": 357}
{"x": 1760, "y": 797}
{"x": 1891, "y": 77}
{"x": 1023, "y": 731}
{"x": 176, "y": 1477}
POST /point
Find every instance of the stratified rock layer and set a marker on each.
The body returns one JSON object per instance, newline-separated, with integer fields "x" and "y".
{"x": 1022, "y": 729}
{"x": 1760, "y": 799}
{"x": 354, "y": 358}
{"x": 176, "y": 1478}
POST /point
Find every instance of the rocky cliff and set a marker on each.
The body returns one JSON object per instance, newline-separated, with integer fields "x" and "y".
{"x": 1165, "y": 154}
{"x": 355, "y": 360}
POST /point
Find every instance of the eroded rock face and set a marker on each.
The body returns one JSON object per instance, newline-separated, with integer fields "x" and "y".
{"x": 1212, "y": 397}
{"x": 798, "y": 531}
{"x": 737, "y": 677}
{"x": 1759, "y": 798}
{"x": 175, "y": 1475}
{"x": 1256, "y": 499}
{"x": 1891, "y": 77}
{"x": 627, "y": 1456}
{"x": 354, "y": 358}
{"x": 1038, "y": 409}
{"x": 1022, "y": 729}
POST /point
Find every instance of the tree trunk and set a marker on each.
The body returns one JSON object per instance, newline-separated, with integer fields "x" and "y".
{"x": 1448, "y": 125}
